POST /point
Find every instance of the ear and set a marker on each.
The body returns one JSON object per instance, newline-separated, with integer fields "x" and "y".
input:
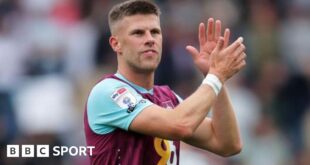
{"x": 114, "y": 44}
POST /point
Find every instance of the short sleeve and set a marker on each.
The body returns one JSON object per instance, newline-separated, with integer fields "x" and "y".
{"x": 113, "y": 104}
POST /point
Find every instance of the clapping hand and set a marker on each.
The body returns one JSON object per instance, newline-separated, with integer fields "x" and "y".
{"x": 207, "y": 43}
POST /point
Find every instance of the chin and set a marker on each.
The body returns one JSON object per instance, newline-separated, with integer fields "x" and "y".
{"x": 147, "y": 69}
{"x": 149, "y": 65}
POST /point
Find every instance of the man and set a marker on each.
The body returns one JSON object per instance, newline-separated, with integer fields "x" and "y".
{"x": 129, "y": 120}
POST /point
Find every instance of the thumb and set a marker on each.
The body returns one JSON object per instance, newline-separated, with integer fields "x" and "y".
{"x": 219, "y": 44}
{"x": 192, "y": 51}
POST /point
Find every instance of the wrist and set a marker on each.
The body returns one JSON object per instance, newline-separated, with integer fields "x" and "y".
{"x": 219, "y": 76}
{"x": 214, "y": 82}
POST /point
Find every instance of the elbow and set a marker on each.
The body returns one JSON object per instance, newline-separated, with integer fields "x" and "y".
{"x": 183, "y": 132}
{"x": 233, "y": 149}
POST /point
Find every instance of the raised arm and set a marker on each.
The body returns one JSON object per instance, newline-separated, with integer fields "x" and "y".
{"x": 219, "y": 133}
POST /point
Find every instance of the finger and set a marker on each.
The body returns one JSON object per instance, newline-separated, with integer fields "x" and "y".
{"x": 192, "y": 51}
{"x": 202, "y": 34}
{"x": 235, "y": 45}
{"x": 220, "y": 44}
{"x": 218, "y": 29}
{"x": 226, "y": 37}
{"x": 210, "y": 36}
{"x": 241, "y": 58}
{"x": 241, "y": 64}
{"x": 239, "y": 50}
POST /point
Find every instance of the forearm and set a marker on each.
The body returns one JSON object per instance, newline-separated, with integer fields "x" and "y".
{"x": 177, "y": 124}
{"x": 224, "y": 122}
{"x": 192, "y": 111}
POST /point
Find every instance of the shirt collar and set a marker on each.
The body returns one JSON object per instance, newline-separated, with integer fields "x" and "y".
{"x": 137, "y": 87}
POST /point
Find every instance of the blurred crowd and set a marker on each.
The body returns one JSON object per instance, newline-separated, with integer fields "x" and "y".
{"x": 53, "y": 51}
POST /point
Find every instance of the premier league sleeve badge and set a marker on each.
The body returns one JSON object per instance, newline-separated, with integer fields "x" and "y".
{"x": 125, "y": 99}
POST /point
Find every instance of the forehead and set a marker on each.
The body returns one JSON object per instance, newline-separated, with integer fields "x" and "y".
{"x": 139, "y": 21}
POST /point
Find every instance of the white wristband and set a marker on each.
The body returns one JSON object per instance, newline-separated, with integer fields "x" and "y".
{"x": 214, "y": 82}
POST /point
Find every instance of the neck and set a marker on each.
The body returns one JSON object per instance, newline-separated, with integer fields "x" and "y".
{"x": 145, "y": 80}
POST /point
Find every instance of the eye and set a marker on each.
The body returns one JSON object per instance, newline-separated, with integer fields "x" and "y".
{"x": 155, "y": 31}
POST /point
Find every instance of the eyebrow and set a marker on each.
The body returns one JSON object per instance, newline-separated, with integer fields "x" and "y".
{"x": 142, "y": 30}
{"x": 156, "y": 29}
{"x": 136, "y": 31}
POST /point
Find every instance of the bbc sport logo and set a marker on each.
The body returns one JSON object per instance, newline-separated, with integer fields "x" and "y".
{"x": 41, "y": 151}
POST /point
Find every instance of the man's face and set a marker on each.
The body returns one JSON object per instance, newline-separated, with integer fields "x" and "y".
{"x": 140, "y": 42}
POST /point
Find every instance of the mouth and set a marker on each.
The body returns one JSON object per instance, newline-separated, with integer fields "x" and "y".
{"x": 150, "y": 52}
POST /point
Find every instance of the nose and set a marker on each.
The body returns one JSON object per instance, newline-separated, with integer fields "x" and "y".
{"x": 150, "y": 40}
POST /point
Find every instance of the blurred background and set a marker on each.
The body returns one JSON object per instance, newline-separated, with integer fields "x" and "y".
{"x": 53, "y": 51}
